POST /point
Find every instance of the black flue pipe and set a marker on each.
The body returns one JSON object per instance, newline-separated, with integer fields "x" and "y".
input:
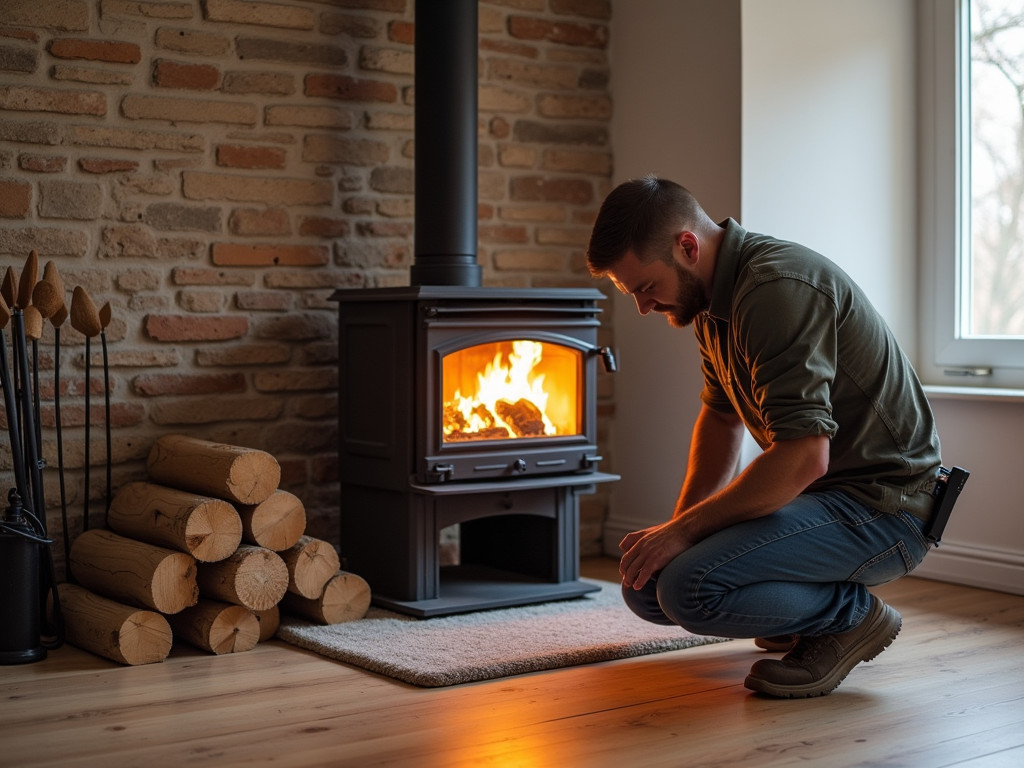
{"x": 446, "y": 144}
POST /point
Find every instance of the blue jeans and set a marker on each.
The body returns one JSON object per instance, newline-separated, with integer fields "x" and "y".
{"x": 804, "y": 569}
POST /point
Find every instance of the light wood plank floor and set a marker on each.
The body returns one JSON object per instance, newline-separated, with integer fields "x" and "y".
{"x": 949, "y": 692}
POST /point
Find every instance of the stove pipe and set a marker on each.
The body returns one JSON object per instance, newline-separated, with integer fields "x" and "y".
{"x": 446, "y": 144}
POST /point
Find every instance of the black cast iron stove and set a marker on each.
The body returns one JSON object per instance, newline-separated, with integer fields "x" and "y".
{"x": 461, "y": 405}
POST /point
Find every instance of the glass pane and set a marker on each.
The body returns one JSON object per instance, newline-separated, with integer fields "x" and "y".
{"x": 511, "y": 389}
{"x": 993, "y": 275}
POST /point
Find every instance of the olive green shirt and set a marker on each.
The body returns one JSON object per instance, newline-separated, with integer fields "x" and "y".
{"x": 793, "y": 346}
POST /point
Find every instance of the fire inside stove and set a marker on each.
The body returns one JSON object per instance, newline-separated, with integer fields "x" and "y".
{"x": 511, "y": 389}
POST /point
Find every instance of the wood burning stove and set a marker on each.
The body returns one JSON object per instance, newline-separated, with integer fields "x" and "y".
{"x": 473, "y": 407}
{"x": 458, "y": 404}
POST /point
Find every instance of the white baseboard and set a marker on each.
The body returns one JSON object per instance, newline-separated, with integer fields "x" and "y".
{"x": 970, "y": 566}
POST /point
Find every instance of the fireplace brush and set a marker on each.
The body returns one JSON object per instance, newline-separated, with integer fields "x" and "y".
{"x": 86, "y": 320}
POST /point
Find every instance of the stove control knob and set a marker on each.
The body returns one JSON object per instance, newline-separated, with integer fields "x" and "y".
{"x": 519, "y": 465}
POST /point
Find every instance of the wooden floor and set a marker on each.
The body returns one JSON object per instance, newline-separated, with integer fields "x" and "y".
{"x": 949, "y": 692}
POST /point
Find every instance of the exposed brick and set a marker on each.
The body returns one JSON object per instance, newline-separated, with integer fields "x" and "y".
{"x": 319, "y": 226}
{"x": 42, "y": 163}
{"x": 391, "y": 179}
{"x": 209, "y": 410}
{"x": 60, "y": 199}
{"x": 127, "y": 241}
{"x": 241, "y": 156}
{"x": 263, "y": 301}
{"x": 517, "y": 156}
{"x": 54, "y": 242}
{"x": 245, "y": 354}
{"x": 178, "y": 217}
{"x": 194, "y": 77}
{"x": 247, "y": 189}
{"x": 241, "y": 255}
{"x": 15, "y": 198}
{"x": 295, "y": 381}
{"x": 531, "y": 28}
{"x": 300, "y": 279}
{"x": 308, "y": 117}
{"x": 136, "y": 280}
{"x": 192, "y": 41}
{"x": 111, "y": 51}
{"x": 90, "y": 75}
{"x": 321, "y": 148}
{"x": 101, "y": 165}
{"x": 259, "y": 221}
{"x": 391, "y": 60}
{"x": 27, "y": 99}
{"x": 362, "y": 27}
{"x": 259, "y": 13}
{"x": 524, "y": 73}
{"x": 124, "y": 138}
{"x": 524, "y": 260}
{"x": 206, "y": 276}
{"x": 271, "y": 49}
{"x": 200, "y": 302}
{"x": 532, "y": 213}
{"x": 597, "y": 163}
{"x": 597, "y": 107}
{"x": 389, "y": 121}
{"x": 503, "y": 234}
{"x": 150, "y": 9}
{"x": 195, "y": 327}
{"x": 543, "y": 133}
{"x": 17, "y": 59}
{"x": 268, "y": 83}
{"x": 157, "y": 384}
{"x": 19, "y": 34}
{"x": 137, "y": 107}
{"x": 63, "y": 15}
{"x": 495, "y": 98}
{"x": 350, "y": 88}
{"x": 143, "y": 358}
{"x": 594, "y": 9}
{"x": 297, "y": 327}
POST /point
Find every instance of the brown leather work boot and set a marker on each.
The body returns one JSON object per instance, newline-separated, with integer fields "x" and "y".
{"x": 816, "y": 665}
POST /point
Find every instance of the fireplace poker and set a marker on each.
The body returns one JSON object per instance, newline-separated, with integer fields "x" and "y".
{"x": 104, "y": 316}
{"x": 85, "y": 319}
{"x": 10, "y": 403}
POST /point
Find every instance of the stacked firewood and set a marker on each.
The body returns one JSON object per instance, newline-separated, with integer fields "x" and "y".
{"x": 209, "y": 550}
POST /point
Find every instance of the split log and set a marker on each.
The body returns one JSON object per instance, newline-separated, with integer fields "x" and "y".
{"x": 311, "y": 563}
{"x": 253, "y": 577}
{"x": 346, "y": 597}
{"x": 269, "y": 620}
{"x": 242, "y": 475}
{"x": 276, "y": 523}
{"x": 134, "y": 572}
{"x": 111, "y": 629}
{"x": 209, "y": 529}
{"x": 217, "y": 627}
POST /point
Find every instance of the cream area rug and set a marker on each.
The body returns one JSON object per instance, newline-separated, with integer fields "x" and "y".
{"x": 464, "y": 648}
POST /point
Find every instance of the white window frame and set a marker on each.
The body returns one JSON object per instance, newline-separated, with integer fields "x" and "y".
{"x": 945, "y": 356}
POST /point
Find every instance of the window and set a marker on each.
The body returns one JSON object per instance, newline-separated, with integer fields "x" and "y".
{"x": 972, "y": 233}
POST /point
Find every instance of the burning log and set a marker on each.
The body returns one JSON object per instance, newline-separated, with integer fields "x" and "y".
{"x": 311, "y": 564}
{"x": 217, "y": 627}
{"x": 134, "y": 572}
{"x": 242, "y": 475}
{"x": 209, "y": 529}
{"x": 522, "y": 416}
{"x": 112, "y": 630}
{"x": 346, "y": 597}
{"x": 277, "y": 523}
{"x": 253, "y": 577}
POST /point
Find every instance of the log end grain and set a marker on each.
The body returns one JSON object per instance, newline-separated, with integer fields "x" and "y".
{"x": 115, "y": 631}
{"x": 174, "y": 584}
{"x": 269, "y": 620}
{"x": 213, "y": 531}
{"x": 217, "y": 627}
{"x": 235, "y": 473}
{"x": 311, "y": 563}
{"x": 277, "y": 523}
{"x": 346, "y": 597}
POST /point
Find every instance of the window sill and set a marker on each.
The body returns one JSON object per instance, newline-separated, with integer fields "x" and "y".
{"x": 977, "y": 394}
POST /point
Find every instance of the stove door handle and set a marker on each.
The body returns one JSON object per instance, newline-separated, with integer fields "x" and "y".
{"x": 611, "y": 365}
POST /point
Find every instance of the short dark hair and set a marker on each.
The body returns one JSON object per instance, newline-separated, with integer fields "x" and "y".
{"x": 641, "y": 215}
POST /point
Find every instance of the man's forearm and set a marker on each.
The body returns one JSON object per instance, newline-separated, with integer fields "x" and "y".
{"x": 714, "y": 454}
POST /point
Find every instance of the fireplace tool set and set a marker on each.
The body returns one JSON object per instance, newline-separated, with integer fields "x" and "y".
{"x": 27, "y": 575}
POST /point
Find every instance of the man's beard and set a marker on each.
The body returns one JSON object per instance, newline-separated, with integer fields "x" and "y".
{"x": 691, "y": 300}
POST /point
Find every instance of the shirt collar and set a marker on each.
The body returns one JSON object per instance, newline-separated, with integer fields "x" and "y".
{"x": 727, "y": 265}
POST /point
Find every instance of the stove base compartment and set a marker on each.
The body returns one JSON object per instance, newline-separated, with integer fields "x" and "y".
{"x": 519, "y": 543}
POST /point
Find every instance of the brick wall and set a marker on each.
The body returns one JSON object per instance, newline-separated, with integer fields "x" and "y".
{"x": 215, "y": 169}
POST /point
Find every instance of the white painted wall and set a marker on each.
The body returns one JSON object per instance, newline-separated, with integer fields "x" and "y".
{"x": 827, "y": 146}
{"x": 675, "y": 68}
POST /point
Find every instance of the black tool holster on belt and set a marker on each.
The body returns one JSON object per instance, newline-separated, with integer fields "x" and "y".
{"x": 948, "y": 485}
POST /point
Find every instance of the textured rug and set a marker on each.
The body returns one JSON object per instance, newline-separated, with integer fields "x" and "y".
{"x": 489, "y": 644}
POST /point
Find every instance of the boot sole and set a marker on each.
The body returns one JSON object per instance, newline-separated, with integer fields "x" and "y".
{"x": 867, "y": 649}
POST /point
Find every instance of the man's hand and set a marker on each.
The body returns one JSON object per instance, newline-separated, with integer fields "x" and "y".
{"x": 650, "y": 550}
